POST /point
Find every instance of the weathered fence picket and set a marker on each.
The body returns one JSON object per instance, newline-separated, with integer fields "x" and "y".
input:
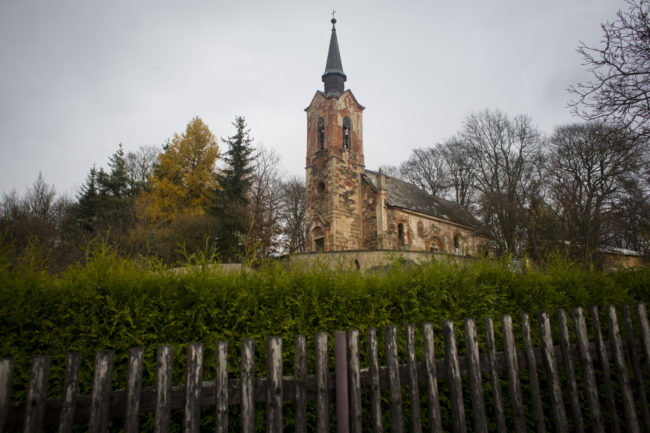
{"x": 322, "y": 388}
{"x": 475, "y": 381}
{"x": 274, "y": 386}
{"x": 569, "y": 375}
{"x": 548, "y": 354}
{"x": 341, "y": 375}
{"x": 354, "y": 376}
{"x": 193, "y": 385}
{"x": 606, "y": 371}
{"x": 567, "y": 357}
{"x": 35, "y": 406}
{"x": 300, "y": 375}
{"x": 532, "y": 374}
{"x": 221, "y": 385}
{"x": 375, "y": 397}
{"x": 414, "y": 393}
{"x": 431, "y": 375}
{"x": 494, "y": 375}
{"x": 621, "y": 372}
{"x": 454, "y": 378}
{"x": 512, "y": 368}
{"x": 133, "y": 390}
{"x": 636, "y": 369}
{"x": 247, "y": 386}
{"x": 6, "y": 373}
{"x": 591, "y": 389}
{"x": 394, "y": 383}
{"x": 70, "y": 389}
{"x": 644, "y": 330}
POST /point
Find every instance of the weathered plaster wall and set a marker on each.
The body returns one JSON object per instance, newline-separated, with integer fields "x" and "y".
{"x": 369, "y": 217}
{"x": 333, "y": 174}
{"x": 365, "y": 260}
{"x": 422, "y": 233}
{"x": 616, "y": 261}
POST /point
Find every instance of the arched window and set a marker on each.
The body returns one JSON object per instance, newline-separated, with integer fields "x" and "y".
{"x": 457, "y": 249}
{"x": 319, "y": 239}
{"x": 321, "y": 133}
{"x": 347, "y": 130}
{"x": 400, "y": 235}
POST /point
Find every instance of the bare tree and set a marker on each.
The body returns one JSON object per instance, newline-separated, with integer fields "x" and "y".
{"x": 619, "y": 90}
{"x": 140, "y": 165}
{"x": 35, "y": 226}
{"x": 461, "y": 188}
{"x": 593, "y": 171}
{"x": 425, "y": 169}
{"x": 501, "y": 155}
{"x": 39, "y": 200}
{"x": 292, "y": 215}
{"x": 265, "y": 202}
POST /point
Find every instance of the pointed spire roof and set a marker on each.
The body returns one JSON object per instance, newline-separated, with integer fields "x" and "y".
{"x": 334, "y": 77}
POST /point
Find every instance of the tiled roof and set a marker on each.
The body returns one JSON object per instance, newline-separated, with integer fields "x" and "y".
{"x": 408, "y": 196}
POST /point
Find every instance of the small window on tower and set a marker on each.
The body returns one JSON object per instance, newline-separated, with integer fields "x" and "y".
{"x": 321, "y": 187}
{"x": 321, "y": 134}
{"x": 347, "y": 129}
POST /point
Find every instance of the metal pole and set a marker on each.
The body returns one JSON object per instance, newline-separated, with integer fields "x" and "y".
{"x": 341, "y": 369}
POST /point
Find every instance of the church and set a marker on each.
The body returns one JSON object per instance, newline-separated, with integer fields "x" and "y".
{"x": 350, "y": 208}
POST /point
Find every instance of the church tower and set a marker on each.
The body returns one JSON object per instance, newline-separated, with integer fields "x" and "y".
{"x": 334, "y": 163}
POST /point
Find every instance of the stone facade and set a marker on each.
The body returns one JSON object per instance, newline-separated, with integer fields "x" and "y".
{"x": 351, "y": 208}
{"x": 333, "y": 172}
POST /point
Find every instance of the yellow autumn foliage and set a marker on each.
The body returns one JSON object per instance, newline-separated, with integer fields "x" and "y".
{"x": 183, "y": 180}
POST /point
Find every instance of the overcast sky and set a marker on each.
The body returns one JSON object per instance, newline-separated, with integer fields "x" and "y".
{"x": 79, "y": 77}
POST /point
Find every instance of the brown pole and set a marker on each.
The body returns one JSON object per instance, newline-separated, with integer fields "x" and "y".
{"x": 341, "y": 369}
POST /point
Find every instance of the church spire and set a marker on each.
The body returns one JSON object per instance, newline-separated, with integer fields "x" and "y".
{"x": 334, "y": 77}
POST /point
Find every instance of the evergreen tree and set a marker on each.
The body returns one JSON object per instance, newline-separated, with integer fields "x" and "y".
{"x": 105, "y": 202}
{"x": 233, "y": 188}
{"x": 86, "y": 210}
{"x": 115, "y": 183}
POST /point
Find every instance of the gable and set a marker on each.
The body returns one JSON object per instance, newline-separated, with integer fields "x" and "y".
{"x": 346, "y": 95}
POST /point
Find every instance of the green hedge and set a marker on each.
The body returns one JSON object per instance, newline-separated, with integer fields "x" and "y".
{"x": 117, "y": 303}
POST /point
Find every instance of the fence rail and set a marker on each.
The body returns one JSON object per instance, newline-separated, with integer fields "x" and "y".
{"x": 603, "y": 368}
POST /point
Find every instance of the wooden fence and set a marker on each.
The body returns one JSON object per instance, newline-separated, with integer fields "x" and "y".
{"x": 592, "y": 376}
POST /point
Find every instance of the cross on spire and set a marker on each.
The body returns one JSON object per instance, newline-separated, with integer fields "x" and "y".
{"x": 334, "y": 77}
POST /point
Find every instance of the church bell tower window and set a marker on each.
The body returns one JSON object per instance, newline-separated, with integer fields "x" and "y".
{"x": 321, "y": 134}
{"x": 347, "y": 127}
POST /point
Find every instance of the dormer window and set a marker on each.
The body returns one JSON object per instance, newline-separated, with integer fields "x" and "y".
{"x": 347, "y": 130}
{"x": 321, "y": 134}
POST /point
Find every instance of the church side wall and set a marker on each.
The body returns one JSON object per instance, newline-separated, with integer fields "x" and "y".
{"x": 369, "y": 217}
{"x": 423, "y": 234}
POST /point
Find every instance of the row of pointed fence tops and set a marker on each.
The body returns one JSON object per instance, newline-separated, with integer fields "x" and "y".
{"x": 348, "y": 381}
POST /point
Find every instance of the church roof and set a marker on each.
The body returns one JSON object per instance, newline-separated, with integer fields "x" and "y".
{"x": 408, "y": 196}
{"x": 334, "y": 64}
{"x": 334, "y": 77}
